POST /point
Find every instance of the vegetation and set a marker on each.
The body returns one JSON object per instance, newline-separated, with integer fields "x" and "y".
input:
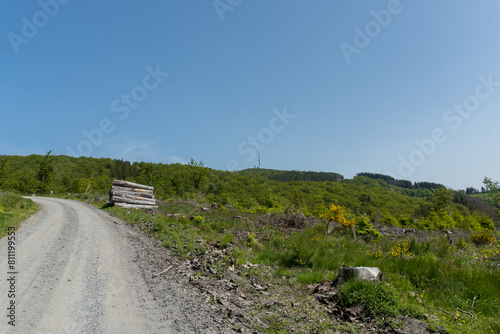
{"x": 288, "y": 176}
{"x": 253, "y": 191}
{"x": 13, "y": 210}
{"x": 421, "y": 276}
{"x": 286, "y": 231}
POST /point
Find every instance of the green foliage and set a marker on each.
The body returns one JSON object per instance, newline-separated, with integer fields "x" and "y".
{"x": 288, "y": 176}
{"x": 364, "y": 227}
{"x": 493, "y": 188}
{"x": 442, "y": 199}
{"x": 45, "y": 172}
{"x": 380, "y": 299}
{"x": 13, "y": 210}
{"x": 252, "y": 191}
{"x": 253, "y": 242}
{"x": 198, "y": 219}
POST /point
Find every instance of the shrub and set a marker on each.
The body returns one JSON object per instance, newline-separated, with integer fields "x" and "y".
{"x": 377, "y": 298}
{"x": 198, "y": 219}
{"x": 462, "y": 243}
{"x": 482, "y": 238}
{"x": 364, "y": 227}
{"x": 338, "y": 213}
{"x": 253, "y": 242}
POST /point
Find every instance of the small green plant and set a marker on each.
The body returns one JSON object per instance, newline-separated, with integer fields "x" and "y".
{"x": 378, "y": 298}
{"x": 199, "y": 219}
{"x": 253, "y": 242}
{"x": 462, "y": 244}
{"x": 364, "y": 227}
{"x": 482, "y": 238}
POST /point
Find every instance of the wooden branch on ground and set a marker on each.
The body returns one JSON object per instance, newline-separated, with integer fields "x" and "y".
{"x": 164, "y": 271}
{"x": 451, "y": 315}
{"x": 472, "y": 315}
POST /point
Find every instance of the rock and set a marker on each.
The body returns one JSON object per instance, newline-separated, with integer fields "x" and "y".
{"x": 68, "y": 194}
{"x": 214, "y": 206}
{"x": 362, "y": 273}
{"x": 204, "y": 209}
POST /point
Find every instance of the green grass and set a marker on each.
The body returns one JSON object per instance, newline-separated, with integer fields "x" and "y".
{"x": 13, "y": 210}
{"x": 420, "y": 277}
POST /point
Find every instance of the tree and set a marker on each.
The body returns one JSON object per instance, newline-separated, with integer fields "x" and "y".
{"x": 471, "y": 190}
{"x": 45, "y": 172}
{"x": 3, "y": 172}
{"x": 442, "y": 199}
{"x": 198, "y": 172}
{"x": 148, "y": 172}
{"x": 493, "y": 188}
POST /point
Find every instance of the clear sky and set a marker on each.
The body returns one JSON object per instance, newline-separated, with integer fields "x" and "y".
{"x": 405, "y": 88}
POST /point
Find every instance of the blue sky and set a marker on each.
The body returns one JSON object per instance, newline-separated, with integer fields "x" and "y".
{"x": 406, "y": 88}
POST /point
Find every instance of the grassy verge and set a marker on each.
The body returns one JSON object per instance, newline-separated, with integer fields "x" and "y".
{"x": 13, "y": 210}
{"x": 451, "y": 285}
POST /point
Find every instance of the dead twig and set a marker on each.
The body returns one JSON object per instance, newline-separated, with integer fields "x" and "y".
{"x": 451, "y": 315}
{"x": 164, "y": 271}
{"x": 472, "y": 315}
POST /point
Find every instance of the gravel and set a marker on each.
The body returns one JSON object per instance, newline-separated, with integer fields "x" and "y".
{"x": 83, "y": 271}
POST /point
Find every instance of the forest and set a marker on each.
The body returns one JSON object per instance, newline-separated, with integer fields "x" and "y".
{"x": 381, "y": 198}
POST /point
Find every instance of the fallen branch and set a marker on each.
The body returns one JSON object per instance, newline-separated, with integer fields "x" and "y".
{"x": 472, "y": 315}
{"x": 164, "y": 271}
{"x": 451, "y": 315}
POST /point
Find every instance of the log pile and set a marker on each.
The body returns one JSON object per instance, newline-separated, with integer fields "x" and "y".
{"x": 131, "y": 195}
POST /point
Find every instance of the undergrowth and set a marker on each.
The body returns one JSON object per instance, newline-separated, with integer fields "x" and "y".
{"x": 13, "y": 210}
{"x": 420, "y": 276}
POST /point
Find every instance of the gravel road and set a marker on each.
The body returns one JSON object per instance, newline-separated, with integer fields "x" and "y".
{"x": 80, "y": 270}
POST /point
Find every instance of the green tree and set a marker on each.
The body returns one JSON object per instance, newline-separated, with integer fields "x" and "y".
{"x": 493, "y": 188}
{"x": 198, "y": 172}
{"x": 3, "y": 172}
{"x": 442, "y": 199}
{"x": 45, "y": 172}
{"x": 147, "y": 172}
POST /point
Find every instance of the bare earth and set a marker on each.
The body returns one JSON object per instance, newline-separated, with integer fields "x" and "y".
{"x": 82, "y": 271}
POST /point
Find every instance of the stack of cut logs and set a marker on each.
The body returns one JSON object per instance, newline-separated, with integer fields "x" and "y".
{"x": 131, "y": 195}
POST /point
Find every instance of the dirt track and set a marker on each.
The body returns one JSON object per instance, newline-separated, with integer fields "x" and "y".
{"x": 82, "y": 271}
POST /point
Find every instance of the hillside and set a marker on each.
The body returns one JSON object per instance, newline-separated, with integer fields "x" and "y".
{"x": 264, "y": 257}
{"x": 285, "y": 175}
{"x": 253, "y": 190}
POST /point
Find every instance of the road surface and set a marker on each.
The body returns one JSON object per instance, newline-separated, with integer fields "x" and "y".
{"x": 78, "y": 270}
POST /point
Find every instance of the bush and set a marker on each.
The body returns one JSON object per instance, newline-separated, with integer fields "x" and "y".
{"x": 378, "y": 298}
{"x": 482, "y": 238}
{"x": 198, "y": 219}
{"x": 364, "y": 227}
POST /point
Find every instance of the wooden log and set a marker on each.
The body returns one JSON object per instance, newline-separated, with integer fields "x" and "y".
{"x": 131, "y": 185}
{"x": 130, "y": 195}
{"x": 131, "y": 201}
{"x": 135, "y": 206}
{"x": 118, "y": 199}
{"x": 143, "y": 192}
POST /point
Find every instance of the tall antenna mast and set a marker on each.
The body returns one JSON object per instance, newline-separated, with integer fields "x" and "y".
{"x": 259, "y": 159}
